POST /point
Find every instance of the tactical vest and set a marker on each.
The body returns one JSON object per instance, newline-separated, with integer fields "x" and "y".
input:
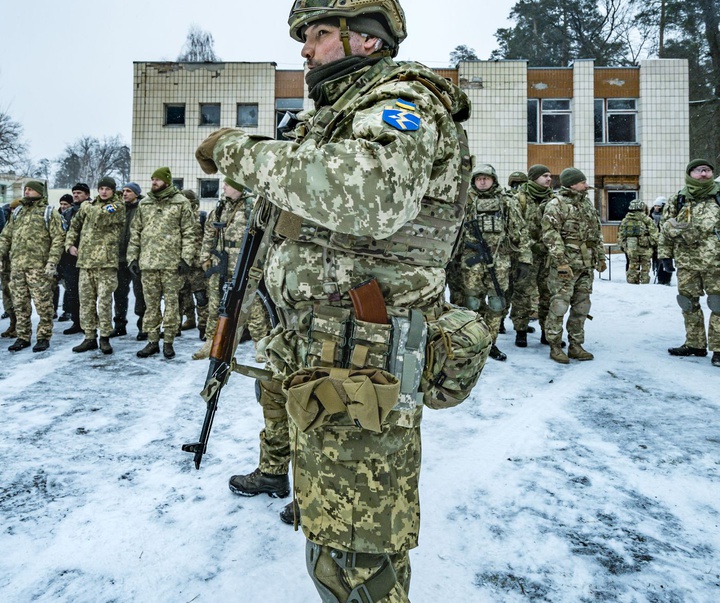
{"x": 635, "y": 227}
{"x": 427, "y": 240}
{"x": 489, "y": 215}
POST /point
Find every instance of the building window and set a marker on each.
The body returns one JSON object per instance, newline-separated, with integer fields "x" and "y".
{"x": 209, "y": 114}
{"x": 549, "y": 120}
{"x": 615, "y": 120}
{"x": 618, "y": 203}
{"x": 179, "y": 183}
{"x": 283, "y": 121}
{"x": 209, "y": 188}
{"x": 175, "y": 115}
{"x": 247, "y": 115}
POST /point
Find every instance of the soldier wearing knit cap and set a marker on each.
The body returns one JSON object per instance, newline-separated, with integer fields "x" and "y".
{"x": 573, "y": 237}
{"x": 532, "y": 197}
{"x": 689, "y": 234}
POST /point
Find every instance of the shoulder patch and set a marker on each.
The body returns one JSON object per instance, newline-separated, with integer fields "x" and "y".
{"x": 402, "y": 116}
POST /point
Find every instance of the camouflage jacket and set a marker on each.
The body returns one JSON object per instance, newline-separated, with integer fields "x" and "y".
{"x": 571, "y": 231}
{"x": 130, "y": 209}
{"x": 532, "y": 210}
{"x": 163, "y": 231}
{"x": 234, "y": 214}
{"x": 641, "y": 226}
{"x": 32, "y": 237}
{"x": 373, "y": 178}
{"x": 691, "y": 233}
{"x": 498, "y": 217}
{"x": 101, "y": 223}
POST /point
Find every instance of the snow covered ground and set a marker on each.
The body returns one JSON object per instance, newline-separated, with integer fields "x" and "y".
{"x": 597, "y": 481}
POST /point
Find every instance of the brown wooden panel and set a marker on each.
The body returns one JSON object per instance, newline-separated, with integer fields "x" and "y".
{"x": 611, "y": 159}
{"x": 556, "y": 156}
{"x": 620, "y": 82}
{"x": 550, "y": 83}
{"x": 450, "y": 74}
{"x": 610, "y": 233}
{"x": 289, "y": 84}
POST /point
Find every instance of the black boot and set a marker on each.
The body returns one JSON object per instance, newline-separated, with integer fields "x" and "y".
{"x": 290, "y": 512}
{"x": 141, "y": 336}
{"x": 118, "y": 331}
{"x": 65, "y": 316}
{"x": 72, "y": 329}
{"x": 544, "y": 340}
{"x": 496, "y": 354}
{"x": 716, "y": 359}
{"x": 41, "y": 345}
{"x": 257, "y": 482}
{"x": 105, "y": 346}
{"x": 531, "y": 329}
{"x": 86, "y": 345}
{"x": 150, "y": 349}
{"x": 501, "y": 328}
{"x": 685, "y": 350}
{"x": 168, "y": 350}
{"x": 521, "y": 339}
{"x": 20, "y": 344}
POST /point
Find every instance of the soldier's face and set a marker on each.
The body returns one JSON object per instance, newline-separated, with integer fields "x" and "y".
{"x": 80, "y": 196}
{"x": 64, "y": 205}
{"x": 483, "y": 182}
{"x": 105, "y": 192}
{"x": 323, "y": 45}
{"x": 231, "y": 192}
{"x": 157, "y": 185}
{"x": 580, "y": 187}
{"x": 702, "y": 172}
{"x": 544, "y": 180}
{"x": 31, "y": 193}
{"x": 128, "y": 195}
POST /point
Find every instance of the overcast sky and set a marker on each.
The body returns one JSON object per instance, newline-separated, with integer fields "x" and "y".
{"x": 66, "y": 66}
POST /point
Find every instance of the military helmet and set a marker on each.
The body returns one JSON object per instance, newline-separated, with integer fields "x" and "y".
{"x": 637, "y": 205}
{"x": 517, "y": 178}
{"x": 485, "y": 169}
{"x": 305, "y": 12}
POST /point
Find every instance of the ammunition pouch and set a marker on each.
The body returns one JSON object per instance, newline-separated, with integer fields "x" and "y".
{"x": 713, "y": 302}
{"x": 631, "y": 245}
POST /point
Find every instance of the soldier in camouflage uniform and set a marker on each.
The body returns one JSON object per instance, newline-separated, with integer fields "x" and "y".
{"x": 224, "y": 231}
{"x": 690, "y": 233}
{"x": 638, "y": 237}
{"x": 371, "y": 187}
{"x": 162, "y": 249}
{"x": 5, "y": 278}
{"x": 101, "y": 223}
{"x": 515, "y": 179}
{"x": 33, "y": 239}
{"x": 193, "y": 294}
{"x": 573, "y": 237}
{"x": 493, "y": 216}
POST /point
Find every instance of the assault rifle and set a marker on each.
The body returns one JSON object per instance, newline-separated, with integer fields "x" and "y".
{"x": 483, "y": 255}
{"x": 238, "y": 294}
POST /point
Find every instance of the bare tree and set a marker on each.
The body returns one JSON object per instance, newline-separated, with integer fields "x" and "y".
{"x": 198, "y": 48}
{"x": 88, "y": 159}
{"x": 12, "y": 146}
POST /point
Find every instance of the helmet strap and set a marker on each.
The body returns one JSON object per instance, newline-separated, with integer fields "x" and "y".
{"x": 345, "y": 36}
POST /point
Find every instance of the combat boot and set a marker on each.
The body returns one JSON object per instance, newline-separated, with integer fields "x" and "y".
{"x": 41, "y": 345}
{"x": 20, "y": 344}
{"x": 141, "y": 336}
{"x": 716, "y": 359}
{"x": 150, "y": 349}
{"x": 290, "y": 512}
{"x": 521, "y": 339}
{"x": 10, "y": 331}
{"x": 496, "y": 354}
{"x": 257, "y": 482}
{"x": 530, "y": 329}
{"x": 168, "y": 350}
{"x": 188, "y": 324}
{"x": 74, "y": 328}
{"x": 577, "y": 352}
{"x": 501, "y": 328}
{"x": 118, "y": 331}
{"x": 557, "y": 354}
{"x": 203, "y": 352}
{"x": 544, "y": 340}
{"x": 105, "y": 346}
{"x": 86, "y": 345}
{"x": 685, "y": 350}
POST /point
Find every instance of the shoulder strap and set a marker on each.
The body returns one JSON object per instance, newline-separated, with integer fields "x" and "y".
{"x": 48, "y": 215}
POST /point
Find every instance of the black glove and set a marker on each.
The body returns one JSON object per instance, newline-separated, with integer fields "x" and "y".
{"x": 134, "y": 268}
{"x": 522, "y": 271}
{"x": 183, "y": 268}
{"x": 667, "y": 265}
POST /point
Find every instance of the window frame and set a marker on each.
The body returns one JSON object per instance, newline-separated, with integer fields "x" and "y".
{"x": 540, "y": 112}
{"x": 256, "y": 106}
{"x": 607, "y": 113}
{"x": 203, "y": 181}
{"x": 167, "y": 106}
{"x": 205, "y": 124}
{"x": 613, "y": 190}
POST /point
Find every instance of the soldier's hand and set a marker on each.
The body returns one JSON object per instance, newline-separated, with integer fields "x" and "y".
{"x": 50, "y": 269}
{"x": 73, "y": 250}
{"x": 601, "y": 265}
{"x": 134, "y": 268}
{"x": 522, "y": 271}
{"x": 667, "y": 264}
{"x": 204, "y": 153}
{"x": 183, "y": 268}
{"x": 564, "y": 271}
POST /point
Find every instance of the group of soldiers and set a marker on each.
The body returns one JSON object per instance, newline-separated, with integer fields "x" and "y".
{"x": 159, "y": 243}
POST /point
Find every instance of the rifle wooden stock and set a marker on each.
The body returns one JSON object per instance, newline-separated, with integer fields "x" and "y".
{"x": 369, "y": 303}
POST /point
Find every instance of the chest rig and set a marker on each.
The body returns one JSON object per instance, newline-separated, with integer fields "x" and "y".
{"x": 488, "y": 212}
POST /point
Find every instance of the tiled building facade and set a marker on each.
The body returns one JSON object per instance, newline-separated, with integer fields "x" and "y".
{"x": 626, "y": 128}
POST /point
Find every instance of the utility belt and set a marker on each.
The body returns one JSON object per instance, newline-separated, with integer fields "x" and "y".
{"x": 587, "y": 253}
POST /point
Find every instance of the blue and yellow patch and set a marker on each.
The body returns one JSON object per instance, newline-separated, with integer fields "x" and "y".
{"x": 402, "y": 116}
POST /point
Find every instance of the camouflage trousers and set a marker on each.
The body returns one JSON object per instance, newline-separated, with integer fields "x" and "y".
{"x": 692, "y": 285}
{"x": 480, "y": 293}
{"x": 6, "y": 295}
{"x": 96, "y": 297}
{"x": 194, "y": 295}
{"x": 530, "y": 291}
{"x": 27, "y": 287}
{"x": 335, "y": 583}
{"x": 159, "y": 284}
{"x": 638, "y": 267}
{"x": 570, "y": 293}
{"x": 275, "y": 437}
{"x": 258, "y": 321}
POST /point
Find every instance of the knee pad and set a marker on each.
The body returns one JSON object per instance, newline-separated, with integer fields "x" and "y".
{"x": 496, "y": 303}
{"x": 201, "y": 298}
{"x": 686, "y": 304}
{"x": 713, "y": 302}
{"x": 559, "y": 306}
{"x": 472, "y": 302}
{"x": 583, "y": 307}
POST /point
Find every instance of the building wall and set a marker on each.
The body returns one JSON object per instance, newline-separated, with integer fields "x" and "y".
{"x": 583, "y": 124}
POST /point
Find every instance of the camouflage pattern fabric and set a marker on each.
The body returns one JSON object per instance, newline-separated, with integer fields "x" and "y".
{"x": 690, "y": 235}
{"x": 504, "y": 230}
{"x": 156, "y": 284}
{"x": 363, "y": 180}
{"x": 638, "y": 237}
{"x": 32, "y": 284}
{"x": 275, "y": 436}
{"x": 29, "y": 241}
{"x": 96, "y": 295}
{"x": 572, "y": 235}
{"x": 101, "y": 223}
{"x": 5, "y": 282}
